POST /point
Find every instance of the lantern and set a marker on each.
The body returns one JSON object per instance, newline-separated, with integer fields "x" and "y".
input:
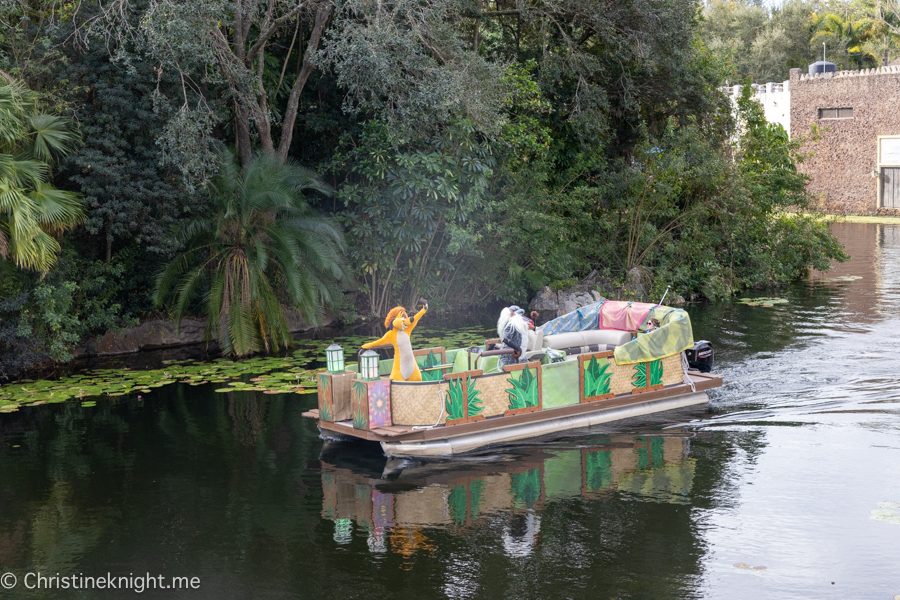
{"x": 368, "y": 365}
{"x": 334, "y": 355}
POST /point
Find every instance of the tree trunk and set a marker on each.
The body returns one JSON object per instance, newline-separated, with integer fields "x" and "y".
{"x": 290, "y": 114}
{"x": 242, "y": 126}
{"x": 477, "y": 35}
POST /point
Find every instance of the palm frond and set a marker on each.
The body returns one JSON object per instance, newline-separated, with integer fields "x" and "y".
{"x": 29, "y": 172}
{"x": 51, "y": 137}
{"x": 56, "y": 209}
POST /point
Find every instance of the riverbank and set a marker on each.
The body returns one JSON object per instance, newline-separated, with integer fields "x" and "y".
{"x": 871, "y": 219}
{"x": 157, "y": 334}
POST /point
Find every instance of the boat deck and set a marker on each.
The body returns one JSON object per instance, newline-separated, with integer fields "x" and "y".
{"x": 405, "y": 434}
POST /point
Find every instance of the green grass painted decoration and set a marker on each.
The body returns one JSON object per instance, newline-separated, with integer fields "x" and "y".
{"x": 432, "y": 360}
{"x": 475, "y": 405}
{"x": 640, "y": 373}
{"x": 456, "y": 398}
{"x": 524, "y": 390}
{"x": 325, "y": 397}
{"x": 359, "y": 418}
{"x": 360, "y": 405}
{"x": 454, "y": 404}
{"x": 596, "y": 378}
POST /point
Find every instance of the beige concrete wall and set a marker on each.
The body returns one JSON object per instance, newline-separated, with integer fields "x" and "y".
{"x": 843, "y": 159}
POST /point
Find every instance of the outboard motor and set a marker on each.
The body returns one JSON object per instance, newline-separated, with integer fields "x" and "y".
{"x": 701, "y": 356}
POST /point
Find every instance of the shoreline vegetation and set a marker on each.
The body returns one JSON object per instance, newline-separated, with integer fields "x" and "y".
{"x": 233, "y": 161}
{"x": 870, "y": 219}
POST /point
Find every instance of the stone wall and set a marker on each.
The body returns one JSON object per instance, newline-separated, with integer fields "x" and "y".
{"x": 843, "y": 159}
{"x": 157, "y": 333}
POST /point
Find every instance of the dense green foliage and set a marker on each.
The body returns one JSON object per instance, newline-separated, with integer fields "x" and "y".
{"x": 259, "y": 247}
{"x": 477, "y": 151}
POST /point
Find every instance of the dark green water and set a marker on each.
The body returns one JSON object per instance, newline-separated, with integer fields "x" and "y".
{"x": 783, "y": 472}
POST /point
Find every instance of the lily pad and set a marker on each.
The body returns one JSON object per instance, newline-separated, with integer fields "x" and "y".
{"x": 887, "y": 511}
{"x": 764, "y": 302}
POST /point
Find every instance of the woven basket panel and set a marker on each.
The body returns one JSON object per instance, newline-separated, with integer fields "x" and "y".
{"x": 621, "y": 378}
{"x": 672, "y": 371}
{"x": 494, "y": 397}
{"x": 418, "y": 403}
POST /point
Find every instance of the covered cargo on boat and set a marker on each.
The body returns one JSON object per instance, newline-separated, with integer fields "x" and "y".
{"x": 673, "y": 336}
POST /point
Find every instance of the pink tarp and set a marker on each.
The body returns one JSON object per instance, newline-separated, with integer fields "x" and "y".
{"x": 625, "y": 316}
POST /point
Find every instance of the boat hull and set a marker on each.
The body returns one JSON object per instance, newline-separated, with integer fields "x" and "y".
{"x": 444, "y": 440}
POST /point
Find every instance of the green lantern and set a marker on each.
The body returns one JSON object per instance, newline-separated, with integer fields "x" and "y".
{"x": 368, "y": 365}
{"x": 334, "y": 355}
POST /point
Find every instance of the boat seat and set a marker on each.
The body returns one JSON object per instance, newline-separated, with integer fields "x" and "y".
{"x": 591, "y": 337}
{"x": 573, "y": 352}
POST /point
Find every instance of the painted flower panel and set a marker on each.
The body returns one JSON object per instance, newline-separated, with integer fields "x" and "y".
{"x": 379, "y": 404}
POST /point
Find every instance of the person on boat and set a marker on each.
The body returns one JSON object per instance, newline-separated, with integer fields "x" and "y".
{"x": 513, "y": 330}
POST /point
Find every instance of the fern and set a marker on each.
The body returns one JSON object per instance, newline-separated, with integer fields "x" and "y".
{"x": 524, "y": 392}
{"x": 596, "y": 378}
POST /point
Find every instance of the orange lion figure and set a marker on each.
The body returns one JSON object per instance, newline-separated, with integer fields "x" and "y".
{"x": 400, "y": 327}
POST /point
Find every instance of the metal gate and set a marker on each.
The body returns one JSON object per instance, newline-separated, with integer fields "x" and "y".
{"x": 890, "y": 187}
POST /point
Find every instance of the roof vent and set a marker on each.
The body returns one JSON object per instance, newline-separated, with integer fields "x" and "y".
{"x": 822, "y": 66}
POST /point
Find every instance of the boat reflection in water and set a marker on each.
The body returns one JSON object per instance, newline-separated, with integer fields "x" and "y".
{"x": 396, "y": 501}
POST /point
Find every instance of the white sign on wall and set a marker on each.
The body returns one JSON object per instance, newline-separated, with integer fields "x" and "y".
{"x": 889, "y": 151}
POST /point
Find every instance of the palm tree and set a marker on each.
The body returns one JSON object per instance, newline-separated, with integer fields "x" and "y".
{"x": 31, "y": 210}
{"x": 884, "y": 39}
{"x": 845, "y": 35}
{"x": 260, "y": 246}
